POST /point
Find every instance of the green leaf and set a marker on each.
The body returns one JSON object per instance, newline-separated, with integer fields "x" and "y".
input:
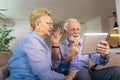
{"x": 5, "y": 39}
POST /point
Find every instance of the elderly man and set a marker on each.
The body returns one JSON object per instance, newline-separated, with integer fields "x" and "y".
{"x": 67, "y": 58}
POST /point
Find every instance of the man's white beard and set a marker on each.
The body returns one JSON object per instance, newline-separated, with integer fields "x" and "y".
{"x": 72, "y": 38}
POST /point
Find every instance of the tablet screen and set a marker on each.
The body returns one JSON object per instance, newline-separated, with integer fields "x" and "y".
{"x": 90, "y": 41}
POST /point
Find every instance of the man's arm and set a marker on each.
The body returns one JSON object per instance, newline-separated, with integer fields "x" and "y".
{"x": 55, "y": 38}
{"x": 68, "y": 59}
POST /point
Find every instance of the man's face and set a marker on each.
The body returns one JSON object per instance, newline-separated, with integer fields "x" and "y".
{"x": 73, "y": 30}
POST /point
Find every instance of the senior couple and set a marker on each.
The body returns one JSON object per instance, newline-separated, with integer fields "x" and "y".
{"x": 33, "y": 60}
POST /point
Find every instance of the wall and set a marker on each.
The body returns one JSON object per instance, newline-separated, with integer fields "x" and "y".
{"x": 118, "y": 12}
{"x": 111, "y": 24}
{"x": 105, "y": 24}
{"x": 94, "y": 25}
{"x": 21, "y": 28}
{"x": 83, "y": 30}
{"x": 117, "y": 50}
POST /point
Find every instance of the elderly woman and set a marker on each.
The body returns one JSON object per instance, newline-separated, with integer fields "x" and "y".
{"x": 32, "y": 58}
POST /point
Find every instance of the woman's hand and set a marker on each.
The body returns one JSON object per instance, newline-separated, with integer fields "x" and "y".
{"x": 55, "y": 38}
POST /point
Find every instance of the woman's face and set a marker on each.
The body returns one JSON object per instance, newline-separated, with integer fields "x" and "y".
{"x": 45, "y": 25}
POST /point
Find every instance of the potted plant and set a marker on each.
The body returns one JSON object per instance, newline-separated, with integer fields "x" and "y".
{"x": 5, "y": 39}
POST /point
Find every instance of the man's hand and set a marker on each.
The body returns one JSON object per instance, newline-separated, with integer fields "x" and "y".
{"x": 72, "y": 74}
{"x": 103, "y": 48}
{"x": 55, "y": 38}
{"x": 68, "y": 78}
{"x": 73, "y": 52}
{"x": 75, "y": 48}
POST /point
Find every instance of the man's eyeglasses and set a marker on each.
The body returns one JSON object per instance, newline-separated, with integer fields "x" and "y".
{"x": 48, "y": 23}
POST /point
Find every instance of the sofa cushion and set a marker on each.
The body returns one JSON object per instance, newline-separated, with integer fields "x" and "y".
{"x": 4, "y": 57}
{"x": 4, "y": 72}
{"x": 1, "y": 75}
{"x": 114, "y": 61}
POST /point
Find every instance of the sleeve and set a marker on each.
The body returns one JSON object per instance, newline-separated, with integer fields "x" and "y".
{"x": 61, "y": 63}
{"x": 56, "y": 63}
{"x": 98, "y": 59}
{"x": 79, "y": 62}
{"x": 39, "y": 60}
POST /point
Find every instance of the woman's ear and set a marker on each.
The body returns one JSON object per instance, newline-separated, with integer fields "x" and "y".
{"x": 37, "y": 23}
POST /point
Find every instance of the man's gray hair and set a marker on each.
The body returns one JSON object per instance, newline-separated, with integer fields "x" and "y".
{"x": 67, "y": 21}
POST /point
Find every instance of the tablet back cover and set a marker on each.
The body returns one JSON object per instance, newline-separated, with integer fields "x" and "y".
{"x": 90, "y": 41}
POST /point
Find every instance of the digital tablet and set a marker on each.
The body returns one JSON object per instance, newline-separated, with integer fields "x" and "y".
{"x": 90, "y": 41}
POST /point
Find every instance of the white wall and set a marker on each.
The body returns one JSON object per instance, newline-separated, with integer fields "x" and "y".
{"x": 111, "y": 24}
{"x": 83, "y": 30}
{"x": 118, "y": 12}
{"x": 21, "y": 28}
{"x": 94, "y": 26}
{"x": 117, "y": 50}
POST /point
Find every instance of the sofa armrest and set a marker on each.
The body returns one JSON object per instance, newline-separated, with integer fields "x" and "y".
{"x": 1, "y": 75}
{"x": 4, "y": 72}
{"x": 114, "y": 61}
{"x": 4, "y": 57}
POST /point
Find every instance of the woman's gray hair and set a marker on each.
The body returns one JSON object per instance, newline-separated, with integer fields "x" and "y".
{"x": 67, "y": 21}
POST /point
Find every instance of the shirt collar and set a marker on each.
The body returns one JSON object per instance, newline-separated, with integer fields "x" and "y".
{"x": 36, "y": 35}
{"x": 68, "y": 43}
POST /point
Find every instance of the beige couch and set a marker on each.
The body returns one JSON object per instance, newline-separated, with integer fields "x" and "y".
{"x": 114, "y": 61}
{"x": 4, "y": 57}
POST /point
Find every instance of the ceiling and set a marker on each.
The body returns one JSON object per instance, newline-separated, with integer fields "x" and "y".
{"x": 83, "y": 10}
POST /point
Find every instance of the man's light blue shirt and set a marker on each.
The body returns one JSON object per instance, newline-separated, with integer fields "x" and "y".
{"x": 32, "y": 60}
{"x": 79, "y": 61}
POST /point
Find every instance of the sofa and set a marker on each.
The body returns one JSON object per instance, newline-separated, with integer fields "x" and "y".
{"x": 4, "y": 57}
{"x": 114, "y": 61}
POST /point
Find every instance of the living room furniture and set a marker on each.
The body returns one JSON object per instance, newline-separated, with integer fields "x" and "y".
{"x": 4, "y": 57}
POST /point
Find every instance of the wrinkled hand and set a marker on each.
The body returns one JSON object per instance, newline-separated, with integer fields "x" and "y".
{"x": 68, "y": 78}
{"x": 75, "y": 48}
{"x": 73, "y": 52}
{"x": 55, "y": 38}
{"x": 72, "y": 74}
{"x": 103, "y": 48}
